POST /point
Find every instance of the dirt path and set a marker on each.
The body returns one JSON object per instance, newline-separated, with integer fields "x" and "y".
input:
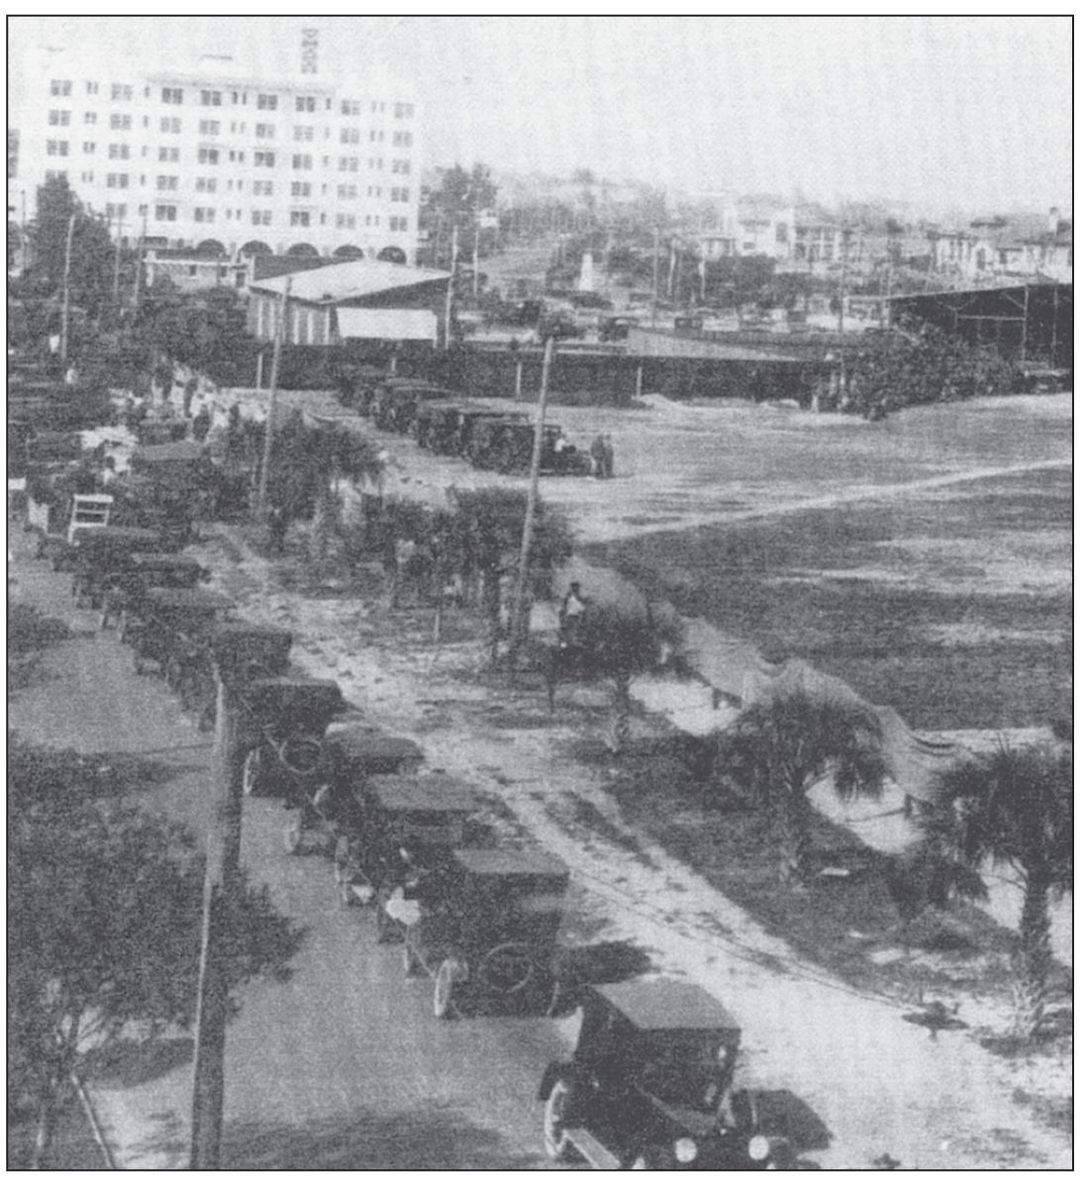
{"x": 878, "y": 1083}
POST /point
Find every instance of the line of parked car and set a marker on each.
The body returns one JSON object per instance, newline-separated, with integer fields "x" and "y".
{"x": 651, "y": 1081}
{"x": 443, "y": 422}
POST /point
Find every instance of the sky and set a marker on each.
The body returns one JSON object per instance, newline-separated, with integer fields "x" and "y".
{"x": 973, "y": 113}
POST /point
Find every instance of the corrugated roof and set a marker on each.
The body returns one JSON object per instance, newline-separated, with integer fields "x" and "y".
{"x": 667, "y": 1004}
{"x": 349, "y": 280}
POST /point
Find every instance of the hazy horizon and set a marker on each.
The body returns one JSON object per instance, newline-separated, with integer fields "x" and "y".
{"x": 969, "y": 113}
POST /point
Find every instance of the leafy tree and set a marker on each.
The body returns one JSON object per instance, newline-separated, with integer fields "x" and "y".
{"x": 204, "y": 330}
{"x": 780, "y": 746}
{"x": 1013, "y": 808}
{"x": 623, "y": 643}
{"x": 460, "y": 201}
{"x": 104, "y": 921}
{"x": 92, "y": 251}
{"x": 488, "y": 536}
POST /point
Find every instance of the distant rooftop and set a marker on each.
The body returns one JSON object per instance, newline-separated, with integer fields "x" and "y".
{"x": 349, "y": 280}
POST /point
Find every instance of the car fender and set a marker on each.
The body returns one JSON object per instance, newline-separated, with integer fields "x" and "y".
{"x": 554, "y": 1072}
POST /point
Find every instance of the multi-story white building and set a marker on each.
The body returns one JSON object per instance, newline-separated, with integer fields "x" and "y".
{"x": 179, "y": 157}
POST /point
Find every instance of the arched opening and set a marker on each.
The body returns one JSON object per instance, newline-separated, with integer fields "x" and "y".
{"x": 303, "y": 250}
{"x": 211, "y": 247}
{"x": 256, "y": 247}
{"x": 392, "y": 254}
{"x": 348, "y": 251}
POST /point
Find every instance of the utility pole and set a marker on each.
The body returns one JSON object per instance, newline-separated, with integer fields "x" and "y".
{"x": 477, "y": 235}
{"x": 139, "y": 267}
{"x": 65, "y": 311}
{"x": 654, "y": 278}
{"x": 116, "y": 265}
{"x": 451, "y": 286}
{"x": 269, "y": 426}
{"x": 220, "y": 889}
{"x": 519, "y": 620}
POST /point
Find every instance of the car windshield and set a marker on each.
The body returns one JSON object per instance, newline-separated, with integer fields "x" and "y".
{"x": 684, "y": 1069}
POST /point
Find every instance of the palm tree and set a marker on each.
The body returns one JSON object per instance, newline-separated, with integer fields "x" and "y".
{"x": 621, "y": 643}
{"x": 781, "y": 745}
{"x": 1014, "y": 808}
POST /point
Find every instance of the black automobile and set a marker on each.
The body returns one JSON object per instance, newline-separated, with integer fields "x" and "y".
{"x": 650, "y": 1085}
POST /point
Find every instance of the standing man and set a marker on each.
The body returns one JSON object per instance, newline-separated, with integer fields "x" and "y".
{"x": 597, "y": 457}
{"x": 607, "y": 456}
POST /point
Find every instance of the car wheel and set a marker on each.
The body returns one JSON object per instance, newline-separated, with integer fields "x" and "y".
{"x": 557, "y": 1144}
{"x": 252, "y": 768}
{"x": 443, "y": 993}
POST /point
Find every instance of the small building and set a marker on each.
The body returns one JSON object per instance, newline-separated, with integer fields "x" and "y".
{"x": 363, "y": 299}
{"x": 196, "y": 270}
{"x": 996, "y": 249}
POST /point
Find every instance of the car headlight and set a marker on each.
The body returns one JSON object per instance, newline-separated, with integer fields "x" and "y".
{"x": 685, "y": 1150}
{"x": 759, "y": 1148}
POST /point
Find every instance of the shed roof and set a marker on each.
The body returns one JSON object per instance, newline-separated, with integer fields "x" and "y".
{"x": 349, "y": 280}
{"x": 169, "y": 453}
{"x": 667, "y": 1004}
{"x": 511, "y": 862}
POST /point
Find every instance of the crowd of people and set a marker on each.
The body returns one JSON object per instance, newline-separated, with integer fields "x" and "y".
{"x": 601, "y": 457}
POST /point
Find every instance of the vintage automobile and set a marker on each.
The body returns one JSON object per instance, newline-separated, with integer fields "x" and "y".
{"x": 124, "y": 600}
{"x": 470, "y": 417}
{"x": 395, "y": 831}
{"x": 286, "y": 720}
{"x": 435, "y": 426}
{"x": 484, "y": 928}
{"x": 174, "y": 632}
{"x": 350, "y": 755}
{"x": 357, "y": 385}
{"x": 102, "y": 553}
{"x": 161, "y": 432}
{"x": 397, "y": 400}
{"x": 650, "y": 1085}
{"x": 507, "y": 445}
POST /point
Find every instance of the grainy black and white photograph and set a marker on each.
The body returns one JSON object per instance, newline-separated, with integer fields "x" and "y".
{"x": 539, "y": 626}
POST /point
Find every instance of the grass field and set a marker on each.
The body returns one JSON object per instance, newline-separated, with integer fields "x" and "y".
{"x": 954, "y": 607}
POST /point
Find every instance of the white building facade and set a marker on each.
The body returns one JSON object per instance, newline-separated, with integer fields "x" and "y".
{"x": 213, "y": 154}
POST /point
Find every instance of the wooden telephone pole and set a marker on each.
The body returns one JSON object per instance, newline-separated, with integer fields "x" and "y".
{"x": 65, "y": 310}
{"x": 519, "y": 620}
{"x": 269, "y": 428}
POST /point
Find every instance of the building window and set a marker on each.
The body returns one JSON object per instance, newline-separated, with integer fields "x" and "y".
{"x": 267, "y": 102}
{"x": 302, "y": 162}
{"x": 90, "y": 116}
{"x": 55, "y": 173}
{"x": 116, "y": 180}
{"x": 350, "y": 135}
{"x": 238, "y": 157}
{"x": 204, "y": 214}
{"x": 92, "y": 88}
{"x": 118, "y": 151}
{"x": 347, "y": 192}
{"x": 116, "y": 211}
{"x": 209, "y": 127}
{"x": 403, "y": 139}
{"x": 62, "y": 89}
{"x": 401, "y": 166}
{"x": 300, "y": 217}
{"x": 207, "y": 156}
{"x": 398, "y": 223}
{"x": 347, "y": 163}
{"x": 174, "y": 95}
{"x": 56, "y": 147}
{"x": 168, "y": 183}
{"x": 170, "y": 125}
{"x": 89, "y": 148}
{"x": 265, "y": 131}
{"x": 165, "y": 213}
{"x": 59, "y": 118}
{"x": 261, "y": 217}
{"x": 300, "y": 188}
{"x": 404, "y": 110}
{"x": 306, "y": 103}
{"x": 120, "y": 94}
{"x": 350, "y": 107}
{"x": 210, "y": 98}
{"x": 265, "y": 159}
{"x": 302, "y": 133}
{"x": 168, "y": 155}
{"x": 345, "y": 221}
{"x": 263, "y": 188}
{"x": 206, "y": 184}
{"x": 120, "y": 122}
{"x": 375, "y": 191}
{"x": 400, "y": 195}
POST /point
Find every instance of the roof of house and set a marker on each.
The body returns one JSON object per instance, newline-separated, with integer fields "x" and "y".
{"x": 666, "y": 1004}
{"x": 349, "y": 280}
